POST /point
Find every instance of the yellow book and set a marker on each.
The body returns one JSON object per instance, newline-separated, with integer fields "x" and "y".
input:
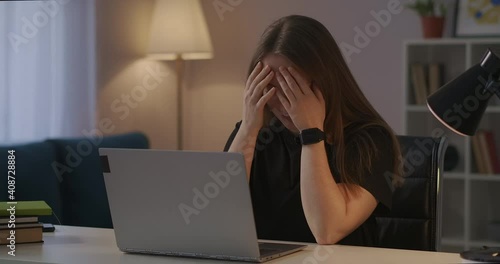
{"x": 25, "y": 208}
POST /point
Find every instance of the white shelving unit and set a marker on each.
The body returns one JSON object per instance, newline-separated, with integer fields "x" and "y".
{"x": 470, "y": 200}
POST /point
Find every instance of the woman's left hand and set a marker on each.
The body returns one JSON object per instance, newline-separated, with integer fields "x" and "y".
{"x": 303, "y": 102}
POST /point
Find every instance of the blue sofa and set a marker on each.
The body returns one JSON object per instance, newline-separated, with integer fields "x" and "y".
{"x": 66, "y": 173}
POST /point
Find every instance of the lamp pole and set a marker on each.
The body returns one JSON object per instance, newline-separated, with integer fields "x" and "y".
{"x": 177, "y": 36}
{"x": 179, "y": 67}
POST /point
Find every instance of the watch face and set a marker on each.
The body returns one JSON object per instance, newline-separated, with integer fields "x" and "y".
{"x": 310, "y": 138}
{"x": 312, "y": 135}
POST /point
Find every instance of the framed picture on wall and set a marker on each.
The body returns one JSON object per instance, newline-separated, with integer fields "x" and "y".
{"x": 477, "y": 18}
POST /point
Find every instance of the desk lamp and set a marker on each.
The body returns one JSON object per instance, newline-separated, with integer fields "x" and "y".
{"x": 460, "y": 105}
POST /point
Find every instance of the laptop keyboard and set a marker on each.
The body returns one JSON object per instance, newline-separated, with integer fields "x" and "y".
{"x": 269, "y": 248}
{"x": 267, "y": 251}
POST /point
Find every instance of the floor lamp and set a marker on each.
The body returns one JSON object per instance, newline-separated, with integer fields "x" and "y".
{"x": 179, "y": 32}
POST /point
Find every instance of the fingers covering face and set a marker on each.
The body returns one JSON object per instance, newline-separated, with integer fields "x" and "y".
{"x": 262, "y": 74}
{"x": 289, "y": 94}
{"x": 284, "y": 101}
{"x": 266, "y": 97}
{"x": 302, "y": 83}
{"x": 256, "y": 70}
{"x": 292, "y": 82}
{"x": 259, "y": 88}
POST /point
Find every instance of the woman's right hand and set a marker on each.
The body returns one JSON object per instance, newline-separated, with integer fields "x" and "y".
{"x": 254, "y": 99}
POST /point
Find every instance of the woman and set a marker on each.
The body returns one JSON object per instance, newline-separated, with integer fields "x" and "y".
{"x": 300, "y": 89}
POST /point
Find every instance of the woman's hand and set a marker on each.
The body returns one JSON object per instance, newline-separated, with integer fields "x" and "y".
{"x": 254, "y": 99}
{"x": 304, "y": 104}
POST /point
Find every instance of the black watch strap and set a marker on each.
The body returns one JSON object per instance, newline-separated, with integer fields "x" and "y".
{"x": 311, "y": 136}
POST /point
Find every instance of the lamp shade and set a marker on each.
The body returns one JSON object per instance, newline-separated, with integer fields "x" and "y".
{"x": 179, "y": 29}
{"x": 460, "y": 104}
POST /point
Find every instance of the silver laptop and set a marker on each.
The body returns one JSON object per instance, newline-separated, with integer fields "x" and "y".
{"x": 184, "y": 203}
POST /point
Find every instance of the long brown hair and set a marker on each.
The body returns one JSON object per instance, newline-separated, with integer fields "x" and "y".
{"x": 349, "y": 115}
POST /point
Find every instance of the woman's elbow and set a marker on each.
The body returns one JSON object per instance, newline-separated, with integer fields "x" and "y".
{"x": 328, "y": 239}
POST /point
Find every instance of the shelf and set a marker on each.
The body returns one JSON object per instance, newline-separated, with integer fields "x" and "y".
{"x": 417, "y": 108}
{"x": 484, "y": 177}
{"x": 454, "y": 175}
{"x": 453, "y": 209}
{"x": 470, "y": 199}
{"x": 452, "y": 242}
{"x": 480, "y": 243}
{"x": 451, "y": 41}
{"x": 424, "y": 109}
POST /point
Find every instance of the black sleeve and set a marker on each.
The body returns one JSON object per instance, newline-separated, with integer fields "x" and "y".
{"x": 232, "y": 136}
{"x": 376, "y": 180}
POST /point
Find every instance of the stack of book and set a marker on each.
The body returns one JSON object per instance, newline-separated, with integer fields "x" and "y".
{"x": 19, "y": 221}
{"x": 425, "y": 80}
{"x": 485, "y": 152}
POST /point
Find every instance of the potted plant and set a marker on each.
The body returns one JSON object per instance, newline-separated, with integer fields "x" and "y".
{"x": 432, "y": 16}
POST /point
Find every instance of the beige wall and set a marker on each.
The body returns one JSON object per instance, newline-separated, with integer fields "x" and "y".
{"x": 122, "y": 35}
{"x": 213, "y": 88}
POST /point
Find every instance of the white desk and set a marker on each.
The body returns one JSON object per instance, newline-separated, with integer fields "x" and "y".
{"x": 95, "y": 245}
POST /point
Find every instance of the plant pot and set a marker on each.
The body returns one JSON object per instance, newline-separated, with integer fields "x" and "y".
{"x": 432, "y": 27}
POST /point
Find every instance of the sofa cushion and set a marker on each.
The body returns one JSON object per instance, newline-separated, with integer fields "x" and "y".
{"x": 35, "y": 178}
{"x": 84, "y": 198}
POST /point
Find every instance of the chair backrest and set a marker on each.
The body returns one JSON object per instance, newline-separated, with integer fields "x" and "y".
{"x": 415, "y": 219}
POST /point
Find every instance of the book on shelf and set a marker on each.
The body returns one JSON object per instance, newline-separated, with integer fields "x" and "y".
{"x": 425, "y": 80}
{"x": 418, "y": 83}
{"x": 436, "y": 77}
{"x": 485, "y": 153}
{"x": 477, "y": 153}
{"x": 492, "y": 151}
{"x": 488, "y": 167}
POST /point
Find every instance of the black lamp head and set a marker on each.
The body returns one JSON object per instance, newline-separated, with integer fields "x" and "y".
{"x": 461, "y": 103}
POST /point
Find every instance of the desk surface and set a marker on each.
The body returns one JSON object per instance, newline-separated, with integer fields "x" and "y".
{"x": 95, "y": 245}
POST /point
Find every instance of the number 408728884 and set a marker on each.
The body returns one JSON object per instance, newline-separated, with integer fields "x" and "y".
{"x": 11, "y": 174}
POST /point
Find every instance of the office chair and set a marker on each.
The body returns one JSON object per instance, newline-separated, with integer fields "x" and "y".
{"x": 415, "y": 219}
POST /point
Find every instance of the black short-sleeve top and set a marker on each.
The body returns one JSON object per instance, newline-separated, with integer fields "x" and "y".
{"x": 275, "y": 186}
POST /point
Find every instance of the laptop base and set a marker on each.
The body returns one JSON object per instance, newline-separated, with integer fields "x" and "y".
{"x": 268, "y": 251}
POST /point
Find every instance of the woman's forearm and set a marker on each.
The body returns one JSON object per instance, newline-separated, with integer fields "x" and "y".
{"x": 244, "y": 142}
{"x": 324, "y": 205}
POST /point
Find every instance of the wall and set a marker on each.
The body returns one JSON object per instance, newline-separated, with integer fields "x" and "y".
{"x": 124, "y": 102}
{"x": 213, "y": 88}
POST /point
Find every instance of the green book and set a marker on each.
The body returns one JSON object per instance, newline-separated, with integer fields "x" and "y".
{"x": 24, "y": 208}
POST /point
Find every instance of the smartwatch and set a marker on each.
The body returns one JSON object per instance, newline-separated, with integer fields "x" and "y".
{"x": 311, "y": 136}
